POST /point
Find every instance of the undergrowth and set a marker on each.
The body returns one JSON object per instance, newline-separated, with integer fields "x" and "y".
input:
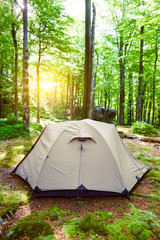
{"x": 12, "y": 128}
{"x": 10, "y": 200}
{"x": 144, "y": 128}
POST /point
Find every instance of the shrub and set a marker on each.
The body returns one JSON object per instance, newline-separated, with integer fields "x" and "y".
{"x": 144, "y": 128}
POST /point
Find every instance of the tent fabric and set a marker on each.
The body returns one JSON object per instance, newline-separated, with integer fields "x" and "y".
{"x": 77, "y": 158}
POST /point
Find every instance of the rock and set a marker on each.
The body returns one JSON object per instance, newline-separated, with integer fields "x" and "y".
{"x": 104, "y": 115}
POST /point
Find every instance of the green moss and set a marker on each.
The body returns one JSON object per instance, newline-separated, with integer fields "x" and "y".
{"x": 50, "y": 237}
{"x": 11, "y": 199}
{"x": 35, "y": 226}
{"x": 131, "y": 144}
{"x": 94, "y": 223}
{"x": 139, "y": 224}
{"x": 31, "y": 226}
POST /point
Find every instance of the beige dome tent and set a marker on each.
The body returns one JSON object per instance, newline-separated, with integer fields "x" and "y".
{"x": 80, "y": 158}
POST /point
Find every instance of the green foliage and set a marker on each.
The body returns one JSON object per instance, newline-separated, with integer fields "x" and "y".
{"x": 144, "y": 128}
{"x": 11, "y": 199}
{"x": 35, "y": 129}
{"x": 35, "y": 226}
{"x": 139, "y": 224}
{"x": 12, "y": 128}
{"x": 91, "y": 224}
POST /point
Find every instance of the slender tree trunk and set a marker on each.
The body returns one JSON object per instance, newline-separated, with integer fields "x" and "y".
{"x": 92, "y": 63}
{"x": 122, "y": 79}
{"x": 145, "y": 111}
{"x": 87, "y": 67}
{"x": 15, "y": 70}
{"x": 38, "y": 89}
{"x": 149, "y": 111}
{"x": 158, "y": 114}
{"x": 154, "y": 77}
{"x": 67, "y": 94}
{"x": 139, "y": 98}
{"x": 1, "y": 96}
{"x": 143, "y": 98}
{"x": 55, "y": 95}
{"x": 71, "y": 99}
{"x": 94, "y": 83}
{"x": 25, "y": 67}
{"x": 130, "y": 99}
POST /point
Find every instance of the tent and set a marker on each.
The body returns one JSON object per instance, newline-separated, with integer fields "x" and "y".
{"x": 80, "y": 158}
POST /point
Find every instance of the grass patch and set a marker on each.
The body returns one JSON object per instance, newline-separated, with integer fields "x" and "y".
{"x": 11, "y": 199}
{"x": 13, "y": 151}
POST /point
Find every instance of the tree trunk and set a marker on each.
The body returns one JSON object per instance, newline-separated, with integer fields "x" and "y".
{"x": 143, "y": 98}
{"x": 71, "y": 99}
{"x": 92, "y": 63}
{"x": 38, "y": 89}
{"x": 87, "y": 67}
{"x": 139, "y": 98}
{"x": 158, "y": 114}
{"x": 1, "y": 96}
{"x": 16, "y": 71}
{"x": 149, "y": 111}
{"x": 25, "y": 67}
{"x": 145, "y": 111}
{"x": 55, "y": 95}
{"x": 67, "y": 94}
{"x": 130, "y": 100}
{"x": 154, "y": 77}
{"x": 122, "y": 79}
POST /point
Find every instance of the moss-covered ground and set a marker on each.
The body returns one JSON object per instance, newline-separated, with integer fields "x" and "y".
{"x": 100, "y": 218}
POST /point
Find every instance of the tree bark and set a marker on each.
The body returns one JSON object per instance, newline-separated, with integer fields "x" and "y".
{"x": 92, "y": 63}
{"x": 1, "y": 96}
{"x": 130, "y": 100}
{"x": 38, "y": 89}
{"x": 71, "y": 99}
{"x": 122, "y": 79}
{"x": 87, "y": 67}
{"x": 14, "y": 31}
{"x": 139, "y": 98}
{"x": 154, "y": 77}
{"x": 149, "y": 111}
{"x": 25, "y": 67}
{"x": 68, "y": 80}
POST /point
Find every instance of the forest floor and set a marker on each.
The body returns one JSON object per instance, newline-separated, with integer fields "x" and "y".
{"x": 144, "y": 204}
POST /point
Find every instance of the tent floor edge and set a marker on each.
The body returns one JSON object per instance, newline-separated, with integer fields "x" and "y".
{"x": 77, "y": 193}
